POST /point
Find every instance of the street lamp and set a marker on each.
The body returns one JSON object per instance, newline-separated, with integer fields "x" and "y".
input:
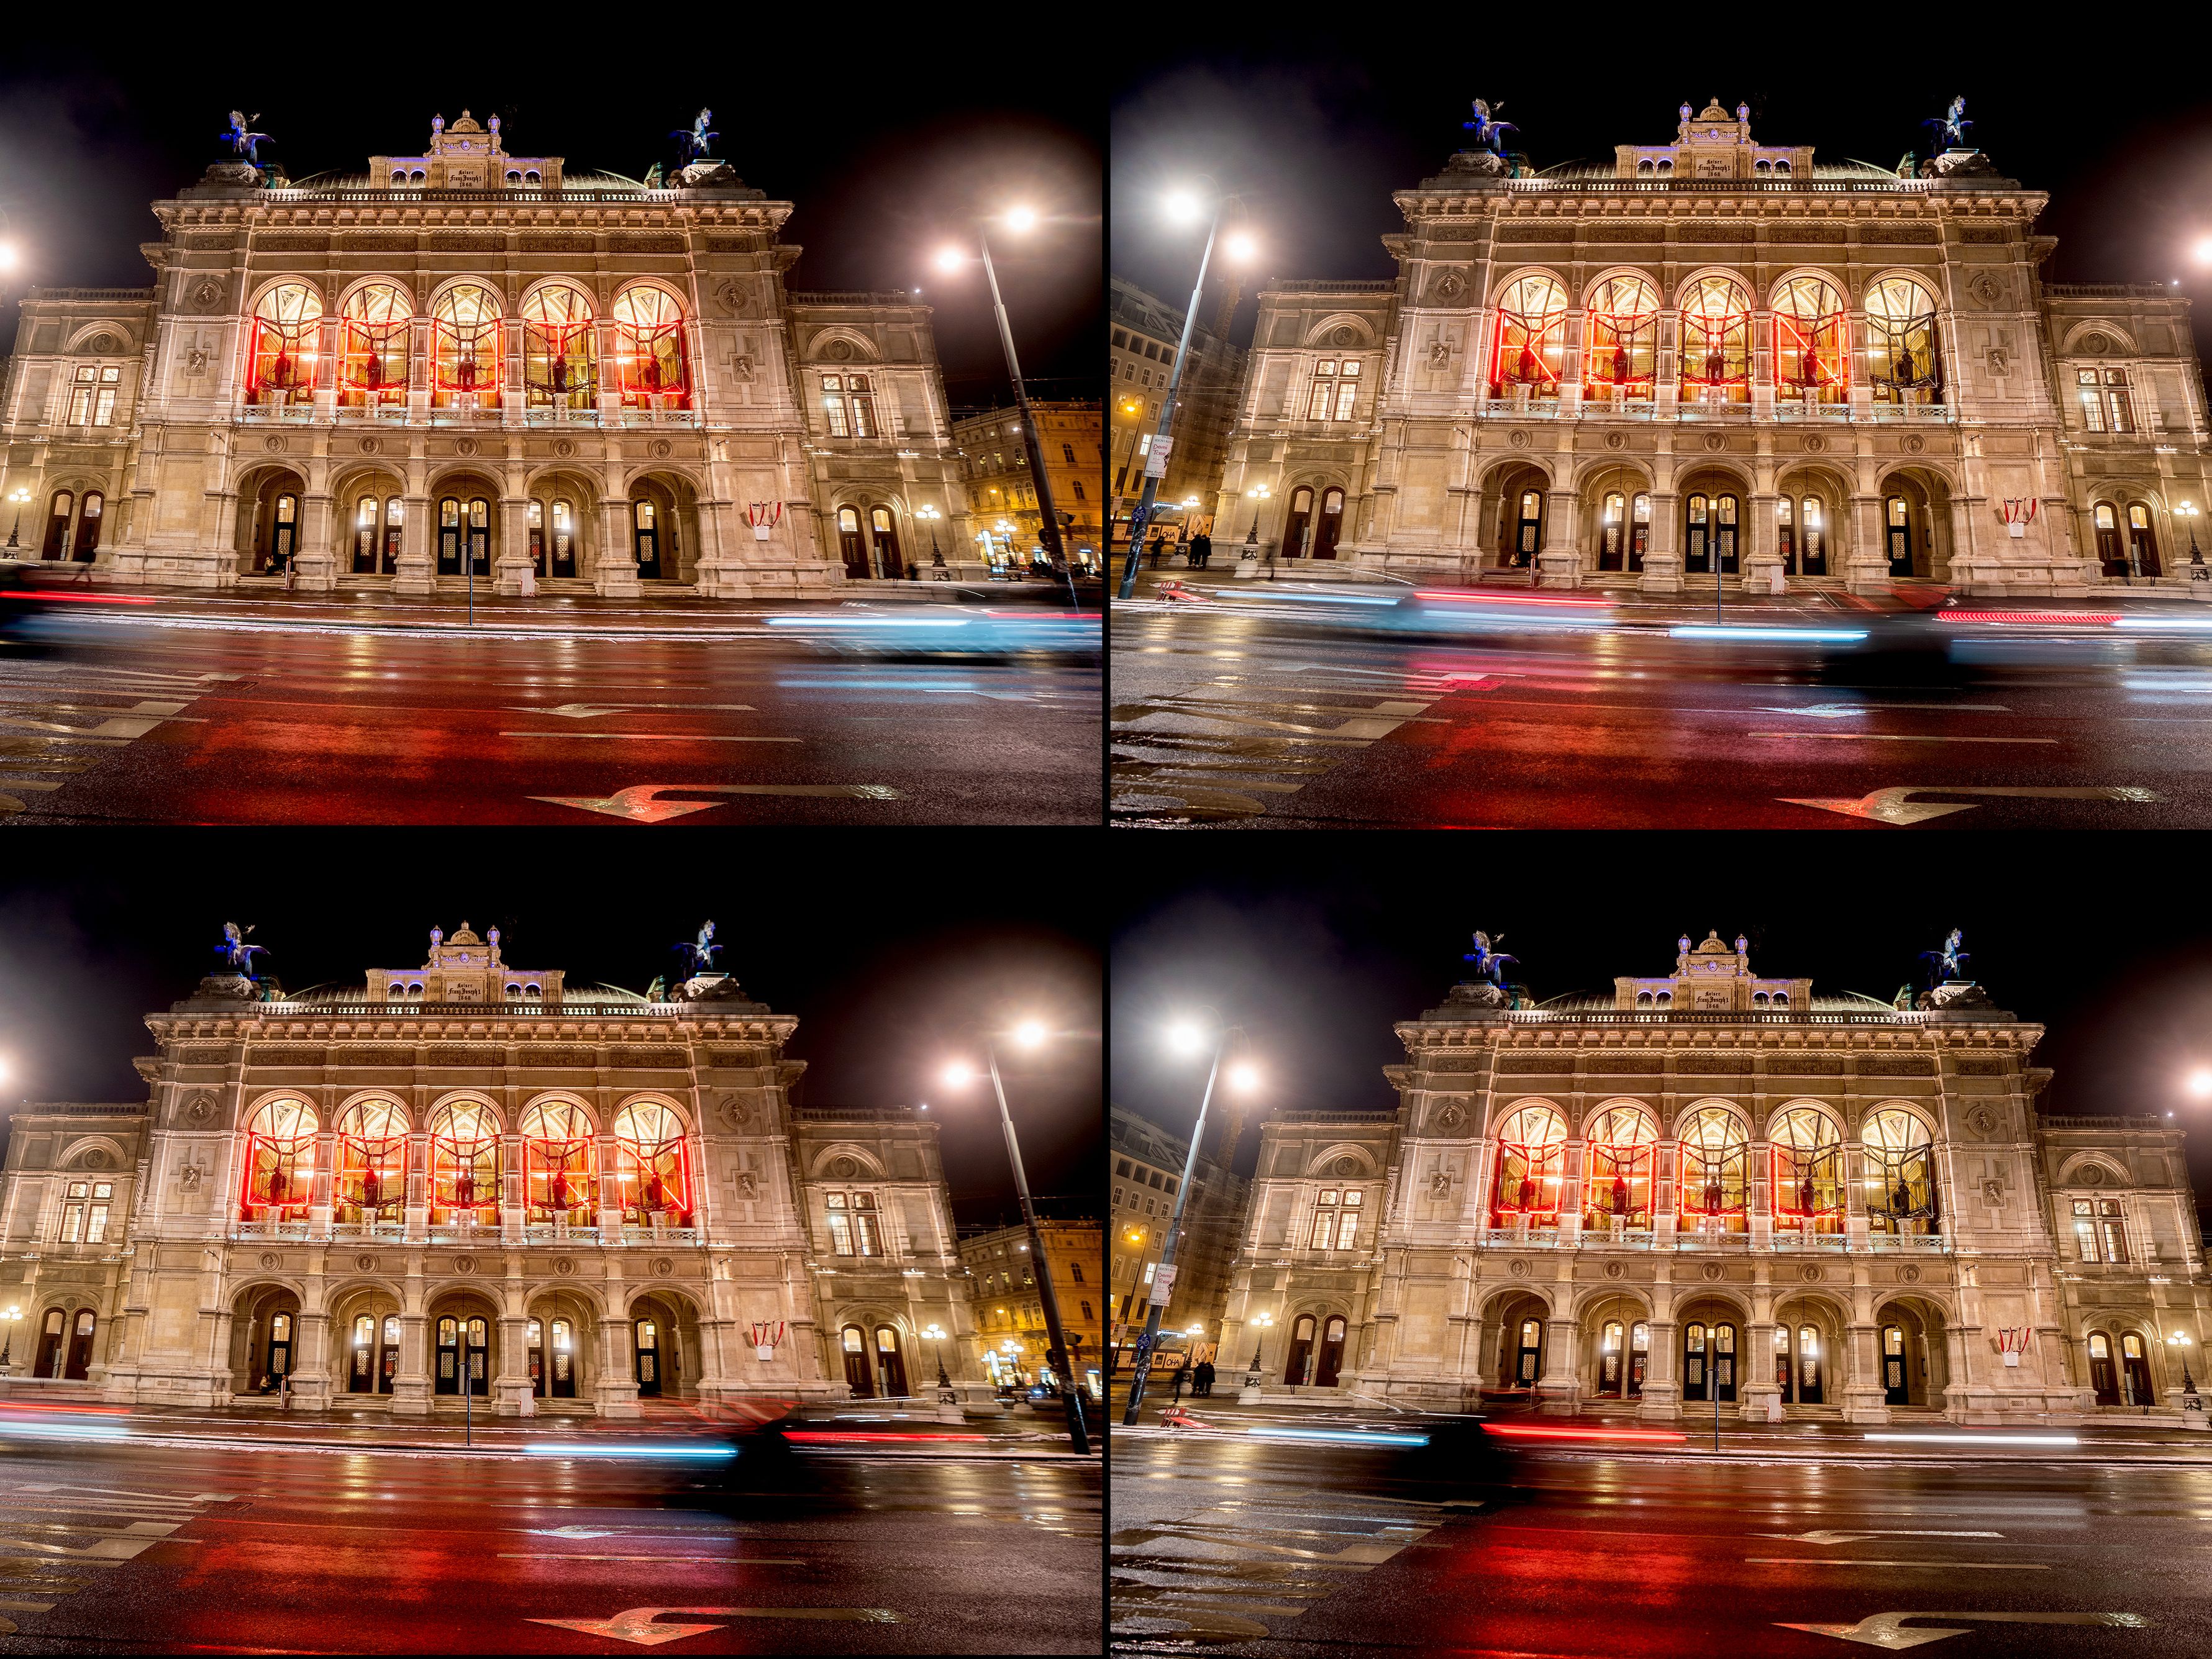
{"x": 1262, "y": 1323}
{"x": 1031, "y": 1034}
{"x": 19, "y": 496}
{"x": 9, "y": 1319}
{"x": 1185, "y": 1038}
{"x": 2191, "y": 512}
{"x": 1020, "y": 220}
{"x": 2200, "y": 1083}
{"x": 929, "y": 515}
{"x": 1185, "y": 208}
{"x": 1135, "y": 1238}
{"x": 933, "y": 1334}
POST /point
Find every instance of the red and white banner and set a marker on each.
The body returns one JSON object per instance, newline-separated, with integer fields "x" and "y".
{"x": 763, "y": 517}
{"x": 2018, "y": 513}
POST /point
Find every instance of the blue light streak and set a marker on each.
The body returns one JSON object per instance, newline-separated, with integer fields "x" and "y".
{"x": 1715, "y": 631}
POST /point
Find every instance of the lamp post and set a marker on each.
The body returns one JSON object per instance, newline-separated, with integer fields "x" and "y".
{"x": 19, "y": 496}
{"x": 1185, "y": 208}
{"x": 2193, "y": 1404}
{"x": 7, "y": 1346}
{"x": 1262, "y": 1322}
{"x": 1135, "y": 1237}
{"x": 1031, "y": 1034}
{"x": 1256, "y": 495}
{"x": 2198, "y": 571}
{"x": 1188, "y": 1039}
{"x": 929, "y": 515}
{"x": 1019, "y": 220}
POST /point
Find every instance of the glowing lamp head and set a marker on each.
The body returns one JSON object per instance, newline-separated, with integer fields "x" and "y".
{"x": 959, "y": 1074}
{"x": 1183, "y": 207}
{"x": 1185, "y": 1038}
{"x": 1242, "y": 246}
{"x": 9, "y": 258}
{"x": 1021, "y": 219}
{"x": 1245, "y": 1077}
{"x": 950, "y": 258}
{"x": 1029, "y": 1034}
{"x": 2202, "y": 251}
{"x": 2200, "y": 1083}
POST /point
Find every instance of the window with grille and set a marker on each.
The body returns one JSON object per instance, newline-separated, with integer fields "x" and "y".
{"x": 1335, "y": 390}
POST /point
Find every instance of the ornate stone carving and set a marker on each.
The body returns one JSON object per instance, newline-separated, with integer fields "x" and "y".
{"x": 1616, "y": 440}
{"x": 1897, "y": 235}
{"x": 270, "y": 1259}
{"x": 662, "y": 1266}
{"x": 1451, "y": 1116}
{"x": 1345, "y": 1166}
{"x": 1993, "y": 1192}
{"x": 464, "y": 1265}
{"x": 1814, "y": 443}
{"x": 96, "y": 1158}
{"x": 369, "y": 446}
{"x": 1914, "y": 443}
{"x": 662, "y": 448}
{"x": 1909, "y": 1274}
{"x": 1616, "y": 1270}
{"x": 275, "y": 446}
{"x": 1712, "y": 1271}
{"x": 2095, "y": 344}
{"x": 1990, "y": 290}
{"x": 838, "y": 351}
{"x": 748, "y": 1185}
{"x": 1519, "y": 440}
{"x": 1812, "y": 1273}
{"x": 465, "y": 446}
{"x": 2089, "y": 1176}
{"x": 1519, "y": 1269}
{"x": 1895, "y": 1066}
{"x": 564, "y": 1265}
{"x": 1714, "y": 442}
{"x": 365, "y": 1263}
{"x": 1440, "y": 1183}
{"x": 564, "y": 448}
{"x": 1984, "y": 1122}
{"x": 735, "y": 1112}
{"x": 188, "y": 1178}
{"x": 845, "y": 1168}
{"x": 206, "y": 295}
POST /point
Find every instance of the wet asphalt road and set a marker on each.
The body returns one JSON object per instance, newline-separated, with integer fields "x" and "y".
{"x": 154, "y": 1550}
{"x": 1285, "y": 1551}
{"x": 121, "y": 722}
{"x": 1244, "y": 722}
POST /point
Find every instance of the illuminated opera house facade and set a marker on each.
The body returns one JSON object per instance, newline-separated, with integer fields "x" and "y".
{"x": 467, "y": 1174}
{"x": 1718, "y": 352}
{"x": 1713, "y": 1190}
{"x": 469, "y": 363}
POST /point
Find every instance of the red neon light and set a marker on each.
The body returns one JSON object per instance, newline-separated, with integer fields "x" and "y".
{"x": 855, "y": 1434}
{"x": 1511, "y": 599}
{"x": 2038, "y": 618}
{"x": 1529, "y": 1432}
{"x": 79, "y": 598}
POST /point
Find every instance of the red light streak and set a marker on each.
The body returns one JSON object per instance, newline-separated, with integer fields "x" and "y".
{"x": 1530, "y": 1431}
{"x": 2035, "y": 618}
{"x": 854, "y": 1434}
{"x": 80, "y": 598}
{"x": 1511, "y": 599}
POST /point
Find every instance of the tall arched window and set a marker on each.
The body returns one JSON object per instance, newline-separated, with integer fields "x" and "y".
{"x": 649, "y": 348}
{"x": 559, "y": 358}
{"x": 2135, "y": 1366}
{"x": 1900, "y": 1172}
{"x": 1698, "y": 532}
{"x": 2110, "y": 553}
{"x": 1612, "y": 531}
{"x": 1902, "y": 361}
{"x": 285, "y": 347}
{"x": 652, "y": 1164}
{"x": 1532, "y": 324}
{"x": 1294, "y": 527}
{"x": 852, "y": 545}
{"x": 1809, "y": 1170}
{"x": 58, "y": 524}
{"x": 559, "y": 1162}
{"x": 371, "y": 1183}
{"x": 465, "y": 323}
{"x": 1815, "y": 531}
{"x": 373, "y": 346}
{"x": 463, "y": 1162}
{"x": 89, "y": 519}
{"x": 1716, "y": 341}
{"x": 1620, "y": 337}
{"x": 2142, "y": 541}
{"x": 1617, "y": 1183}
{"x": 280, "y": 1159}
{"x": 884, "y": 524}
{"x": 1812, "y": 341}
{"x": 1715, "y": 1183}
{"x": 1330, "y": 524}
{"x": 1531, "y": 1152}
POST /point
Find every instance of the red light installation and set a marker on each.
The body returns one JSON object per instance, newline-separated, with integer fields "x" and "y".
{"x": 1716, "y": 341}
{"x": 1531, "y": 1153}
{"x": 559, "y": 356}
{"x": 1812, "y": 341}
{"x": 280, "y": 1160}
{"x": 560, "y": 1163}
{"x": 1808, "y": 1171}
{"x": 1902, "y": 361}
{"x": 466, "y": 361}
{"x": 373, "y": 346}
{"x": 649, "y": 350}
{"x": 372, "y": 1172}
{"x": 286, "y": 345}
{"x": 463, "y": 1162}
{"x": 1532, "y": 323}
{"x": 1714, "y": 1189}
{"x": 1618, "y": 1187}
{"x": 1620, "y": 337}
{"x": 653, "y": 1165}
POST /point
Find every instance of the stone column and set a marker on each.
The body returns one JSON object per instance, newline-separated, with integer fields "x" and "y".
{"x": 512, "y": 561}
{"x": 1662, "y": 1386}
{"x": 418, "y": 559}
{"x": 616, "y": 1386}
{"x": 310, "y": 1387}
{"x": 614, "y": 575}
{"x": 513, "y": 1196}
{"x": 410, "y": 1384}
{"x": 1863, "y": 560}
{"x": 1662, "y": 559}
{"x": 315, "y": 555}
{"x": 1559, "y": 564}
{"x": 318, "y": 1199}
{"x": 511, "y": 1394}
{"x": 1763, "y": 571}
{"x": 1560, "y": 1386}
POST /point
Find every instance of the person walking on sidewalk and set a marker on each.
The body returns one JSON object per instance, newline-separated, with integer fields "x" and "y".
{"x": 1201, "y": 550}
{"x": 1175, "y": 1391}
{"x": 1205, "y": 1388}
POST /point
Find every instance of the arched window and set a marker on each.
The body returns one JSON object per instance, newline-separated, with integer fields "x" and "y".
{"x": 280, "y": 1158}
{"x": 1612, "y": 531}
{"x": 373, "y": 331}
{"x": 559, "y": 356}
{"x": 89, "y": 519}
{"x": 1617, "y": 1188}
{"x": 1900, "y": 1172}
{"x": 1698, "y": 532}
{"x": 2111, "y": 552}
{"x": 1531, "y": 1150}
{"x": 1897, "y": 530}
{"x": 1620, "y": 337}
{"x": 559, "y": 1161}
{"x": 1716, "y": 341}
{"x": 464, "y": 321}
{"x": 1902, "y": 361}
{"x": 463, "y": 1162}
{"x": 2142, "y": 541}
{"x": 652, "y": 1166}
{"x": 1294, "y": 527}
{"x": 1330, "y": 524}
{"x": 649, "y": 348}
{"x": 1812, "y": 341}
{"x": 852, "y": 545}
{"x": 1714, "y": 1184}
{"x": 1809, "y": 1170}
{"x": 1532, "y": 323}
{"x": 372, "y": 1174}
{"x": 58, "y": 524}
{"x": 282, "y": 355}
{"x": 2105, "y": 404}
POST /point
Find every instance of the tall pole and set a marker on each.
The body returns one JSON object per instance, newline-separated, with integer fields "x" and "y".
{"x": 1168, "y": 1247}
{"x": 1166, "y": 420}
{"x": 1049, "y": 529}
{"x": 1055, "y": 1356}
{"x": 1136, "y": 1280}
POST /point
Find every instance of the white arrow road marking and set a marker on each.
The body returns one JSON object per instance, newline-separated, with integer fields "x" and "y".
{"x": 637, "y": 1624}
{"x": 641, "y": 802}
{"x": 1836, "y": 711}
{"x": 1854, "y": 1561}
{"x": 584, "y": 711}
{"x": 1857, "y": 1537}
{"x": 100, "y": 1549}
{"x": 1898, "y": 806}
{"x": 1885, "y": 1630}
{"x": 583, "y": 1532}
{"x": 1890, "y": 737}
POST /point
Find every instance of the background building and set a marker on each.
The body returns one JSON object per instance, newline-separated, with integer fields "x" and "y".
{"x": 577, "y": 1198}
{"x": 994, "y": 471}
{"x": 470, "y": 360}
{"x": 1713, "y": 1180}
{"x": 1721, "y": 353}
{"x": 1148, "y": 1163}
{"x": 1146, "y": 334}
{"x": 1010, "y": 1333}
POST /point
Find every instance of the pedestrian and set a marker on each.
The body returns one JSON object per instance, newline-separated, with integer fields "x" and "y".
{"x": 1160, "y": 548}
{"x": 291, "y": 573}
{"x": 1203, "y": 543}
{"x": 1205, "y": 1388}
{"x": 1175, "y": 1389}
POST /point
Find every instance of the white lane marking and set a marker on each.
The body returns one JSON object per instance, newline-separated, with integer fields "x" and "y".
{"x": 119, "y": 1492}
{"x": 1889, "y": 737}
{"x": 645, "y": 737}
{"x": 1836, "y": 711}
{"x": 718, "y": 1560}
{"x": 1859, "y": 1537}
{"x": 1926, "y": 1566}
{"x": 641, "y": 802}
{"x": 637, "y": 1624}
{"x": 1898, "y": 806}
{"x": 1885, "y": 1630}
{"x": 584, "y": 711}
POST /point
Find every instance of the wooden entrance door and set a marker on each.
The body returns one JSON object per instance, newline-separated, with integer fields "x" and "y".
{"x": 80, "y": 1351}
{"x": 284, "y": 531}
{"x": 564, "y": 539}
{"x": 449, "y": 546}
{"x": 860, "y": 1376}
{"x": 2135, "y": 1365}
{"x": 1894, "y": 1388}
{"x": 1697, "y": 542}
{"x": 361, "y": 1356}
{"x": 648, "y": 1359}
{"x": 2142, "y": 545}
{"x": 564, "y": 1361}
{"x": 280, "y": 1349}
{"x": 2102, "y": 1375}
{"x": 1639, "y": 1358}
{"x": 1694, "y": 1361}
{"x": 480, "y": 535}
{"x": 891, "y": 1364}
{"x": 50, "y": 1344}
{"x": 852, "y": 546}
{"x": 1331, "y": 1353}
{"x": 88, "y": 526}
{"x": 58, "y": 524}
{"x": 1301, "y": 1342}
{"x": 646, "y": 523}
{"x": 1294, "y": 527}
{"x": 448, "y": 1379}
{"x": 1332, "y": 523}
{"x": 1609, "y": 1359}
{"x": 887, "y": 541}
{"x": 1899, "y": 519}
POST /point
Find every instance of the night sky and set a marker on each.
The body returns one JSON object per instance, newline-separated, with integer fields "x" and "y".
{"x": 881, "y": 960}
{"x": 882, "y": 154}
{"x": 1319, "y": 947}
{"x": 1319, "y": 128}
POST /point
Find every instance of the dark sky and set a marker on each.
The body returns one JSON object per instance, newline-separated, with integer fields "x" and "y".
{"x": 883, "y": 155}
{"x": 881, "y": 962}
{"x": 1319, "y": 128}
{"x": 1318, "y": 943}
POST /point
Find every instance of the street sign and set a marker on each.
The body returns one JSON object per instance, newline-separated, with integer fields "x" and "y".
{"x": 1885, "y": 1630}
{"x": 1163, "y": 1284}
{"x": 1156, "y": 458}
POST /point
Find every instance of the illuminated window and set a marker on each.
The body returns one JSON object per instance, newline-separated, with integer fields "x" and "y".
{"x": 281, "y": 366}
{"x": 558, "y": 352}
{"x": 2142, "y": 541}
{"x": 1617, "y": 1185}
{"x": 648, "y": 341}
{"x": 1716, "y": 341}
{"x": 1531, "y": 1150}
{"x": 1900, "y": 1173}
{"x": 464, "y": 1162}
{"x": 372, "y": 346}
{"x": 1901, "y": 356}
{"x": 1716, "y": 1169}
{"x": 1620, "y": 337}
{"x": 465, "y": 323}
{"x": 280, "y": 1158}
{"x": 1812, "y": 355}
{"x": 1809, "y": 1170}
{"x": 2118, "y": 412}
{"x": 1532, "y": 322}
{"x": 652, "y": 1166}
{"x": 855, "y": 1227}
{"x": 2093, "y": 398}
{"x": 103, "y": 1194}
{"x": 559, "y": 1161}
{"x": 851, "y": 405}
{"x": 1336, "y": 388}
{"x": 372, "y": 1172}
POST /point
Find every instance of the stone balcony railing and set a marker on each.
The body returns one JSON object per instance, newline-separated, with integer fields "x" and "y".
{"x": 489, "y": 416}
{"x": 1783, "y": 411}
{"x": 1780, "y": 1244}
